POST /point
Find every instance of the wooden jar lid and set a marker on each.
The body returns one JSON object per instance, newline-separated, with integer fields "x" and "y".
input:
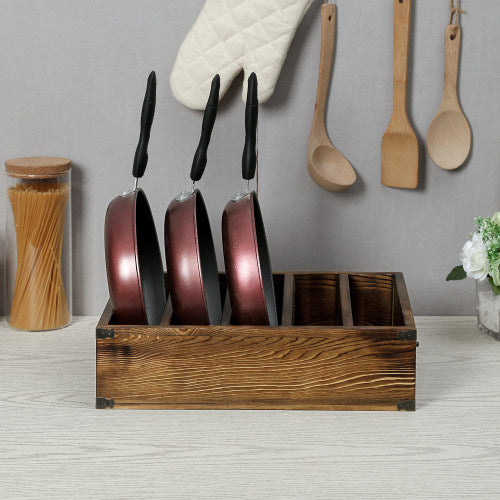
{"x": 37, "y": 167}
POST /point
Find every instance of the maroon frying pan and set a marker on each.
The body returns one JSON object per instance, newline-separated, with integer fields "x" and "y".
{"x": 248, "y": 266}
{"x": 133, "y": 259}
{"x": 191, "y": 261}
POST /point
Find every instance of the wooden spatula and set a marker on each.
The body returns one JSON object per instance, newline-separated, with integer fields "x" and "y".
{"x": 400, "y": 144}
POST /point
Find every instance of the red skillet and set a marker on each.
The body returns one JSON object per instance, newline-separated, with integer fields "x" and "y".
{"x": 189, "y": 247}
{"x": 133, "y": 259}
{"x": 248, "y": 266}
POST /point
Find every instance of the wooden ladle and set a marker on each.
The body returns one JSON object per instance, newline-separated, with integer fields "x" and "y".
{"x": 449, "y": 135}
{"x": 400, "y": 144}
{"x": 326, "y": 165}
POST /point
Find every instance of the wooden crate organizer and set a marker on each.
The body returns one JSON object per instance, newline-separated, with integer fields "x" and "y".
{"x": 346, "y": 341}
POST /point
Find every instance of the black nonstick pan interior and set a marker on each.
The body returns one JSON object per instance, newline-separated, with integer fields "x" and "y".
{"x": 265, "y": 263}
{"x": 149, "y": 261}
{"x": 208, "y": 262}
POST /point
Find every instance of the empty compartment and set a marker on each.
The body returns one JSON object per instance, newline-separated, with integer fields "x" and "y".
{"x": 279, "y": 280}
{"x": 317, "y": 299}
{"x": 374, "y": 300}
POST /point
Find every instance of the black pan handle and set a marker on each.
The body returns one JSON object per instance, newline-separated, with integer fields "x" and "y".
{"x": 200, "y": 157}
{"x": 249, "y": 159}
{"x": 147, "y": 115}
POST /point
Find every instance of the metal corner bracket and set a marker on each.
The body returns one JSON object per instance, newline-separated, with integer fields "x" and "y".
{"x": 407, "y": 335}
{"x": 408, "y": 405}
{"x": 102, "y": 403}
{"x": 104, "y": 333}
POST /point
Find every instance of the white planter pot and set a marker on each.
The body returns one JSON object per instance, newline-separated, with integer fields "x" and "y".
{"x": 488, "y": 309}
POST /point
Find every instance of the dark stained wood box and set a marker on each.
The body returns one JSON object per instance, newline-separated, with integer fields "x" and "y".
{"x": 346, "y": 341}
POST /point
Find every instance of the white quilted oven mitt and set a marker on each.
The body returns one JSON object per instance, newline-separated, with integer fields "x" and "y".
{"x": 229, "y": 35}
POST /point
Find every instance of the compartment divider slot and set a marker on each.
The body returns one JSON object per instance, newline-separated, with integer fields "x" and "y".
{"x": 345, "y": 300}
{"x": 288, "y": 291}
{"x": 226, "y": 311}
{"x": 166, "y": 318}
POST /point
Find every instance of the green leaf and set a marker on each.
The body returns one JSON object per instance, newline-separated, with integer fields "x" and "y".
{"x": 457, "y": 273}
{"x": 495, "y": 288}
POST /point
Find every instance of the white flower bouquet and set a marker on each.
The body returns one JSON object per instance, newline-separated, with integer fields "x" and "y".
{"x": 480, "y": 256}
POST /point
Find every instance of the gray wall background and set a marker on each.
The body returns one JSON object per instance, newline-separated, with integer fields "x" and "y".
{"x": 73, "y": 76}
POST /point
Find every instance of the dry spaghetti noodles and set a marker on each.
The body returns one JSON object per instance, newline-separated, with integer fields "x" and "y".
{"x": 39, "y": 300}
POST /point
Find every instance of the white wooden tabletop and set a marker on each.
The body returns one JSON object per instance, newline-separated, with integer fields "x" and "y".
{"x": 54, "y": 444}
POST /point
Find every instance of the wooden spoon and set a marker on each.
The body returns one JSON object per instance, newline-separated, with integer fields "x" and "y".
{"x": 449, "y": 135}
{"x": 400, "y": 144}
{"x": 326, "y": 165}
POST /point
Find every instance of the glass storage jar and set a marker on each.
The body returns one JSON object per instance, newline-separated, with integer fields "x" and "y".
{"x": 38, "y": 243}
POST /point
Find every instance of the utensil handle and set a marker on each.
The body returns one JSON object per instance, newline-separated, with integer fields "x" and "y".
{"x": 200, "y": 156}
{"x": 452, "y": 55}
{"x": 328, "y": 23}
{"x": 147, "y": 115}
{"x": 249, "y": 159}
{"x": 402, "y": 17}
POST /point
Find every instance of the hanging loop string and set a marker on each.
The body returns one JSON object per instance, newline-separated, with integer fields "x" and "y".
{"x": 455, "y": 11}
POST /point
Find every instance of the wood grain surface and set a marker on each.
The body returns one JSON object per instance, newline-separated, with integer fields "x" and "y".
{"x": 343, "y": 369}
{"x": 55, "y": 444}
{"x": 314, "y": 361}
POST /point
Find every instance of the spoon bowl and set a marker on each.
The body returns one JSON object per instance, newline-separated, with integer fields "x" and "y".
{"x": 339, "y": 178}
{"x": 449, "y": 139}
